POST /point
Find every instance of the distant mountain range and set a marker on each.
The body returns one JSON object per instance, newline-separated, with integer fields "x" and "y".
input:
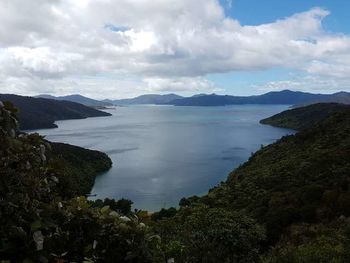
{"x": 295, "y": 98}
{"x": 339, "y": 97}
{"x": 78, "y": 99}
{"x": 147, "y": 99}
{"x": 278, "y": 97}
{"x": 40, "y": 113}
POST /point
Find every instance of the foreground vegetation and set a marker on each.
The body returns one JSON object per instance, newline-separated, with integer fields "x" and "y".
{"x": 290, "y": 202}
{"x": 40, "y": 222}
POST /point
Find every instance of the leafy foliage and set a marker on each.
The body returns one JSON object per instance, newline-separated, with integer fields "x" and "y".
{"x": 324, "y": 243}
{"x": 122, "y": 206}
{"x": 164, "y": 213}
{"x": 203, "y": 234}
{"x": 38, "y": 224}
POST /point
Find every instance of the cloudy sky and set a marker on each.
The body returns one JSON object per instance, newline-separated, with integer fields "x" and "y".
{"x": 124, "y": 48}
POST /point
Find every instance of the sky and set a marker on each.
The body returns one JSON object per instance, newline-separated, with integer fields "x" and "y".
{"x": 120, "y": 49}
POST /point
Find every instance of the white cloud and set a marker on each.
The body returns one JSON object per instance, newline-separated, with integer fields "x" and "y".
{"x": 184, "y": 84}
{"x": 165, "y": 45}
{"x": 229, "y": 3}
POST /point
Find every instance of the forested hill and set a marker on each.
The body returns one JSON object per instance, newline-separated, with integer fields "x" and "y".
{"x": 303, "y": 117}
{"x": 78, "y": 99}
{"x": 290, "y": 202}
{"x": 80, "y": 165}
{"x": 39, "y": 113}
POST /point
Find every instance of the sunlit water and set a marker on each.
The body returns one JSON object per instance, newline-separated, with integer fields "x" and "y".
{"x": 163, "y": 153}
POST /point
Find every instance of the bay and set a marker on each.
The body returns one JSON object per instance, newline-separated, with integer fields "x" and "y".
{"x": 163, "y": 153}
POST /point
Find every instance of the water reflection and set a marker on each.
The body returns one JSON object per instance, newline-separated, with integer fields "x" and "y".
{"x": 164, "y": 153}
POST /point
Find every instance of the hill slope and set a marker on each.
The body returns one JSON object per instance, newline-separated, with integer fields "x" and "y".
{"x": 301, "y": 118}
{"x": 297, "y": 189}
{"x": 81, "y": 166}
{"x": 293, "y": 175}
{"x": 39, "y": 113}
{"x": 78, "y": 99}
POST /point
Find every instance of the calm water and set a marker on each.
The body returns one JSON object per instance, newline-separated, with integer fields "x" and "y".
{"x": 163, "y": 153}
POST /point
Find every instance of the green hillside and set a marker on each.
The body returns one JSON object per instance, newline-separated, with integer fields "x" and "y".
{"x": 79, "y": 167}
{"x": 303, "y": 117}
{"x": 290, "y": 202}
{"x": 39, "y": 113}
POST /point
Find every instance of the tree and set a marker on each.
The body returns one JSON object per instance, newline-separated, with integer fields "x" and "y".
{"x": 202, "y": 234}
